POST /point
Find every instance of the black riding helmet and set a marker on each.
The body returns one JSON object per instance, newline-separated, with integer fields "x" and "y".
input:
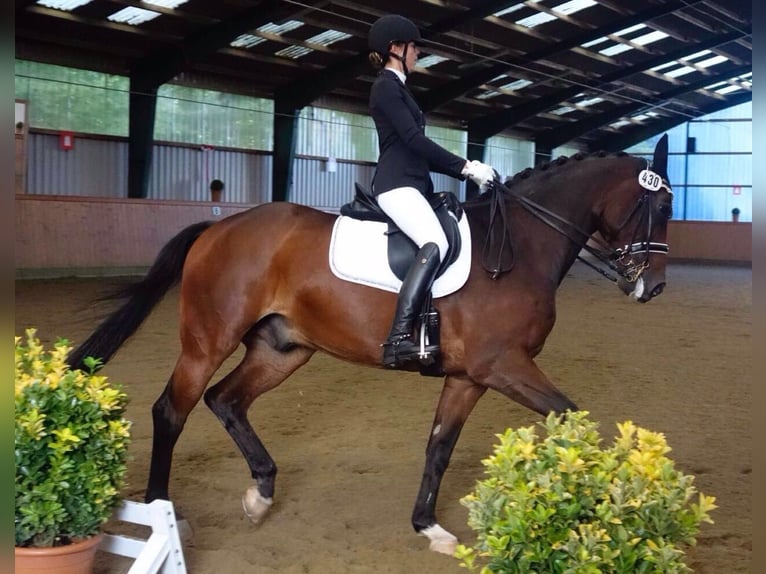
{"x": 392, "y": 28}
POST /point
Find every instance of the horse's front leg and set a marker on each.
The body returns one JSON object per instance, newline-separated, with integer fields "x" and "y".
{"x": 516, "y": 375}
{"x": 457, "y": 400}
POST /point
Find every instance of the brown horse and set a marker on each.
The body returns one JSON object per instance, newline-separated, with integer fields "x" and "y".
{"x": 261, "y": 278}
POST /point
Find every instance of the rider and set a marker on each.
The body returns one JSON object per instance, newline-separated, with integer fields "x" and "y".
{"x": 402, "y": 180}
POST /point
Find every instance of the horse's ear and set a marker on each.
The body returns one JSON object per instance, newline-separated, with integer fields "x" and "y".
{"x": 660, "y": 160}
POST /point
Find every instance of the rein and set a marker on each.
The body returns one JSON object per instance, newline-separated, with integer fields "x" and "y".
{"x": 618, "y": 260}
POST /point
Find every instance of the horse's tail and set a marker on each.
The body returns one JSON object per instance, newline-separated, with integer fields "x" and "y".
{"x": 141, "y": 297}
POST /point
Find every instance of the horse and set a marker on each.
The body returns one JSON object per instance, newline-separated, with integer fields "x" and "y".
{"x": 260, "y": 278}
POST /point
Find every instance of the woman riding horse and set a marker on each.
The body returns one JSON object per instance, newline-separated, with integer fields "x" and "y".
{"x": 402, "y": 180}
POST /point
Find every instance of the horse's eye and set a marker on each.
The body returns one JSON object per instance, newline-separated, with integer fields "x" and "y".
{"x": 666, "y": 210}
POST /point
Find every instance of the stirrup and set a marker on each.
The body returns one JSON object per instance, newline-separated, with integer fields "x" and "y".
{"x": 402, "y": 349}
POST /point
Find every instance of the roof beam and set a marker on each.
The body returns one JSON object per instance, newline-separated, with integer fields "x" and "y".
{"x": 573, "y": 130}
{"x": 301, "y": 93}
{"x": 159, "y": 68}
{"x": 629, "y": 138}
{"x": 444, "y": 94}
{"x": 497, "y": 122}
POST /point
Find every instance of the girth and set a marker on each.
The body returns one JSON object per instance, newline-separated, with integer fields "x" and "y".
{"x": 401, "y": 249}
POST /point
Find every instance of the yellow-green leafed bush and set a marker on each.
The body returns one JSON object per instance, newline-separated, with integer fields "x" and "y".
{"x": 563, "y": 505}
{"x": 71, "y": 444}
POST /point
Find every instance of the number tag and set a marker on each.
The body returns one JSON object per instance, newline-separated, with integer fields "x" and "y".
{"x": 649, "y": 180}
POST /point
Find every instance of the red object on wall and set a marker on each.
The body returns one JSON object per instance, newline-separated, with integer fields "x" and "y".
{"x": 66, "y": 140}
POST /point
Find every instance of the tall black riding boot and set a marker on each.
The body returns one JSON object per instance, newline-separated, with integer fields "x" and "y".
{"x": 400, "y": 347}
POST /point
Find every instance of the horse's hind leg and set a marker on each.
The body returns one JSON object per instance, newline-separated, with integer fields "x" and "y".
{"x": 267, "y": 362}
{"x": 169, "y": 413}
{"x": 457, "y": 400}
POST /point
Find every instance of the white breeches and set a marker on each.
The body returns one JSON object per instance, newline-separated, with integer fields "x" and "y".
{"x": 414, "y": 216}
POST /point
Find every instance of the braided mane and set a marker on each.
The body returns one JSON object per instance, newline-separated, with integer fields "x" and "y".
{"x": 559, "y": 161}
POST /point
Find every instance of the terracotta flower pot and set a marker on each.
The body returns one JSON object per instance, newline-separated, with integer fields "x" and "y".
{"x": 77, "y": 558}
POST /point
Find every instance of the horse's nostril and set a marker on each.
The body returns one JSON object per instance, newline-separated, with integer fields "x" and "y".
{"x": 659, "y": 288}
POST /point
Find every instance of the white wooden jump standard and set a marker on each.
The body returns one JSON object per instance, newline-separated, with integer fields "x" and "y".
{"x": 162, "y": 551}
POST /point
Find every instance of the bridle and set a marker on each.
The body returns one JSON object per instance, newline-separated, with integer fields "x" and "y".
{"x": 623, "y": 257}
{"x": 620, "y": 260}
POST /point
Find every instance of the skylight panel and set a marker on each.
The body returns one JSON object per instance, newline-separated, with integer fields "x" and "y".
{"x": 512, "y": 86}
{"x": 431, "y": 60}
{"x": 621, "y": 33}
{"x": 594, "y": 42}
{"x": 514, "y": 8}
{"x": 517, "y": 85}
{"x": 652, "y": 36}
{"x": 711, "y": 61}
{"x": 663, "y": 66}
{"x": 563, "y": 110}
{"x": 590, "y": 102}
{"x": 66, "y": 5}
{"x": 682, "y": 71}
{"x": 294, "y": 52}
{"x": 246, "y": 41}
{"x": 646, "y": 116}
{"x": 630, "y": 30}
{"x": 250, "y": 40}
{"x": 574, "y": 6}
{"x": 642, "y": 40}
{"x": 717, "y": 85}
{"x": 615, "y": 49}
{"x": 619, "y": 124}
{"x": 279, "y": 29}
{"x": 166, "y": 3}
{"x": 566, "y": 8}
{"x": 536, "y": 20}
{"x": 328, "y": 37}
{"x": 724, "y": 87}
{"x": 133, "y": 16}
{"x": 697, "y": 55}
{"x": 324, "y": 39}
{"x": 727, "y": 90}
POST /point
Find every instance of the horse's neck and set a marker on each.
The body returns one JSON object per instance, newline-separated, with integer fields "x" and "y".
{"x": 573, "y": 193}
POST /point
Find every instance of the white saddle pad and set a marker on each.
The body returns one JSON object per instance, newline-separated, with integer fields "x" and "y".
{"x": 358, "y": 253}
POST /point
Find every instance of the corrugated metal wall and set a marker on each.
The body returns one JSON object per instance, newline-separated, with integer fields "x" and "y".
{"x": 182, "y": 173}
{"x": 99, "y": 168}
{"x": 94, "y": 167}
{"x": 313, "y": 185}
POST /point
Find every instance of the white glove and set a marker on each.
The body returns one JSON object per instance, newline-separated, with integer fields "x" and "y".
{"x": 480, "y": 173}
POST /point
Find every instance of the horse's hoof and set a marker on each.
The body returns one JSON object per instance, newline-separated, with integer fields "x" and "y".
{"x": 441, "y": 540}
{"x": 255, "y": 505}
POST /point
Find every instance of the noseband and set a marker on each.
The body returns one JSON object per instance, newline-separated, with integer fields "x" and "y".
{"x": 621, "y": 260}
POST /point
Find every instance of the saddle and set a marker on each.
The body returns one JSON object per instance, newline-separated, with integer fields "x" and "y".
{"x": 401, "y": 249}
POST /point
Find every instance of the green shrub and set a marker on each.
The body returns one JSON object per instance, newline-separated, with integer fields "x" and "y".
{"x": 71, "y": 443}
{"x": 563, "y": 505}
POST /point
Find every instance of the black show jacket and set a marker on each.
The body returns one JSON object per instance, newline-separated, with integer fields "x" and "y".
{"x": 407, "y": 156}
